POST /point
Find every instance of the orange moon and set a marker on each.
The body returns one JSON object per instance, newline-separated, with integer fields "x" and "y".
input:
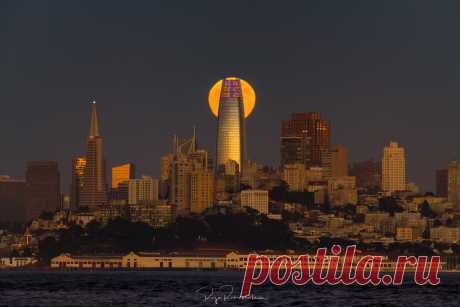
{"x": 249, "y": 96}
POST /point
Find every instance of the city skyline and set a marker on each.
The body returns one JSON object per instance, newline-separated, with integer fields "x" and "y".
{"x": 67, "y": 173}
{"x": 181, "y": 152}
{"x": 353, "y": 88}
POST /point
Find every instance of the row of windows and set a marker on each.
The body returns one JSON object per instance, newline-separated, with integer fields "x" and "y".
{"x": 61, "y": 263}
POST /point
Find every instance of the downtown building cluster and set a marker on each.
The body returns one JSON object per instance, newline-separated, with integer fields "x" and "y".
{"x": 315, "y": 189}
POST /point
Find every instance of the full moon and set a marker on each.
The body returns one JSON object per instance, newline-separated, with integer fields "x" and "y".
{"x": 249, "y": 97}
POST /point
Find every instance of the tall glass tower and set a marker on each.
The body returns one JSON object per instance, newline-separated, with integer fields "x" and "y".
{"x": 231, "y": 143}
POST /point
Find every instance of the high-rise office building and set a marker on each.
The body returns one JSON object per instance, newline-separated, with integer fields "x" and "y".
{"x": 326, "y": 163}
{"x": 295, "y": 140}
{"x": 230, "y": 172}
{"x": 393, "y": 168}
{"x": 251, "y": 175}
{"x": 339, "y": 161}
{"x": 442, "y": 180}
{"x": 165, "y": 183}
{"x": 200, "y": 159}
{"x": 165, "y": 162}
{"x": 232, "y": 111}
{"x": 180, "y": 176}
{"x": 180, "y": 169}
{"x": 295, "y": 176}
{"x": 295, "y": 149}
{"x": 122, "y": 173}
{"x": 453, "y": 182}
{"x": 255, "y": 199}
{"x": 318, "y": 130}
{"x": 162, "y": 215}
{"x": 78, "y": 175}
{"x": 304, "y": 138}
{"x": 315, "y": 175}
{"x": 201, "y": 190}
{"x": 12, "y": 198}
{"x": 141, "y": 191}
{"x": 94, "y": 192}
{"x": 42, "y": 188}
{"x": 367, "y": 173}
{"x": 189, "y": 177}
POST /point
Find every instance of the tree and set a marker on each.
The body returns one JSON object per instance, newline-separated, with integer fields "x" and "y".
{"x": 348, "y": 210}
{"x": 426, "y": 233}
{"x": 328, "y": 241}
{"x": 450, "y": 223}
{"x": 279, "y": 193}
{"x": 122, "y": 235}
{"x": 272, "y": 234}
{"x": 326, "y": 207}
{"x": 291, "y": 216}
{"x": 244, "y": 186}
{"x": 48, "y": 248}
{"x": 93, "y": 229}
{"x": 164, "y": 238}
{"x": 14, "y": 253}
{"x": 189, "y": 229}
{"x": 70, "y": 240}
{"x": 426, "y": 211}
{"x": 83, "y": 209}
{"x": 390, "y": 205}
{"x": 358, "y": 218}
{"x": 249, "y": 230}
{"x": 46, "y": 215}
{"x": 373, "y": 190}
{"x": 27, "y": 252}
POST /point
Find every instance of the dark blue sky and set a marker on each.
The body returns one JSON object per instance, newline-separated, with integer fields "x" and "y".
{"x": 379, "y": 70}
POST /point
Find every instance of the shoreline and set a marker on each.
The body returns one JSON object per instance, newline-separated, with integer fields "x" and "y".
{"x": 49, "y": 269}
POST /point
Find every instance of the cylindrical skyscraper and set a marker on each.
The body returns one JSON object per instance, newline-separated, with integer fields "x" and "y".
{"x": 230, "y": 125}
{"x": 231, "y": 100}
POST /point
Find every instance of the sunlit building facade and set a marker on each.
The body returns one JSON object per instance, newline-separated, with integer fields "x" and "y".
{"x": 339, "y": 161}
{"x": 165, "y": 162}
{"x": 142, "y": 191}
{"x": 295, "y": 177}
{"x": 190, "y": 177}
{"x": 231, "y": 144}
{"x": 393, "y": 168}
{"x": 255, "y": 199}
{"x": 122, "y": 173}
{"x": 78, "y": 175}
{"x": 453, "y": 182}
{"x": 201, "y": 190}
